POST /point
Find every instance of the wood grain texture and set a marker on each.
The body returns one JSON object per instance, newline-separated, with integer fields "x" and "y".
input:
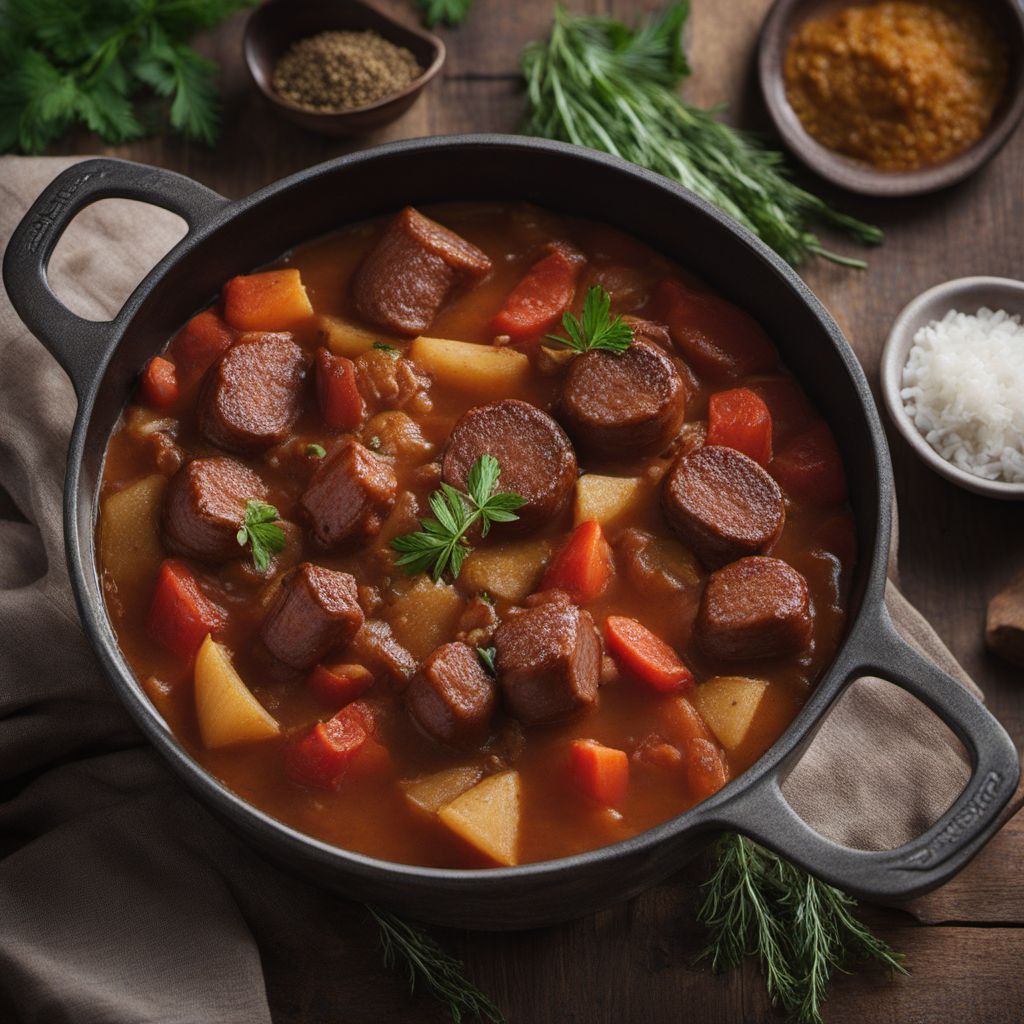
{"x": 634, "y": 962}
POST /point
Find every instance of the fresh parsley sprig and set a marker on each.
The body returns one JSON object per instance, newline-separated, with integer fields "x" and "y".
{"x": 444, "y": 12}
{"x": 486, "y": 656}
{"x": 596, "y": 329}
{"x": 260, "y": 531}
{"x": 441, "y": 545}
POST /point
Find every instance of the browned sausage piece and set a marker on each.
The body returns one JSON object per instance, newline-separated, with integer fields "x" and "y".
{"x": 451, "y": 698}
{"x": 315, "y": 610}
{"x": 549, "y": 661}
{"x": 350, "y": 495}
{"x": 536, "y": 458}
{"x": 376, "y": 647}
{"x": 723, "y": 504}
{"x": 407, "y": 276}
{"x": 252, "y": 395}
{"x": 754, "y": 608}
{"x": 617, "y": 405}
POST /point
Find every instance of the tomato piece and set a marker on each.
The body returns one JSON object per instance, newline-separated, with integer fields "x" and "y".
{"x": 201, "y": 342}
{"x": 583, "y": 565}
{"x": 180, "y": 614}
{"x": 540, "y": 298}
{"x": 272, "y": 301}
{"x": 341, "y": 404}
{"x": 599, "y": 771}
{"x": 740, "y": 419}
{"x": 810, "y": 467}
{"x": 720, "y": 341}
{"x": 644, "y": 656}
{"x": 338, "y": 685}
{"x": 159, "y": 384}
{"x": 321, "y": 756}
{"x": 706, "y": 770}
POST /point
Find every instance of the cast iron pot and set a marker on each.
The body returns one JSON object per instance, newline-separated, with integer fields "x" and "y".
{"x": 227, "y": 238}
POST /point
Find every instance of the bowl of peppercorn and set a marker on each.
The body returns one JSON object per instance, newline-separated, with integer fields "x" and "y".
{"x": 898, "y": 97}
{"x": 338, "y": 68}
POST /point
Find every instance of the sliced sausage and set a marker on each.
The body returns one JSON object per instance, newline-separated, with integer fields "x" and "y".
{"x": 406, "y": 277}
{"x": 650, "y": 330}
{"x": 314, "y": 611}
{"x": 548, "y": 659}
{"x": 205, "y": 505}
{"x": 723, "y": 504}
{"x": 252, "y": 395}
{"x": 536, "y": 458}
{"x": 350, "y": 494}
{"x": 376, "y": 647}
{"x": 617, "y": 405}
{"x": 451, "y": 698}
{"x": 754, "y": 608}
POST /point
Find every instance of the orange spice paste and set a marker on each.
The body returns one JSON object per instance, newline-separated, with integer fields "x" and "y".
{"x": 900, "y": 85}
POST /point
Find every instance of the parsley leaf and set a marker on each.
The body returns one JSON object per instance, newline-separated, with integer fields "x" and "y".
{"x": 486, "y": 656}
{"x": 441, "y": 545}
{"x": 260, "y": 531}
{"x": 382, "y": 346}
{"x": 448, "y": 12}
{"x": 318, "y": 451}
{"x": 596, "y": 329}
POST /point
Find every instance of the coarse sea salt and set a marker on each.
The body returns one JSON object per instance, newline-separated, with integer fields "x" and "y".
{"x": 963, "y": 388}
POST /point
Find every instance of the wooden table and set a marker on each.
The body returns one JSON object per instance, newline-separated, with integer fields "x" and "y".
{"x": 634, "y": 963}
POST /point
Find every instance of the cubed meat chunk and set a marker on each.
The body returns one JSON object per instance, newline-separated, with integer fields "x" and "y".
{"x": 451, "y": 698}
{"x": 548, "y": 660}
{"x": 315, "y": 611}
{"x": 350, "y": 495}
{"x": 376, "y": 647}
{"x": 390, "y": 381}
{"x": 408, "y": 275}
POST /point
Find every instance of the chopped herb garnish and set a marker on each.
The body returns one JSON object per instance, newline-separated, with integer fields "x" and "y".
{"x": 384, "y": 347}
{"x": 260, "y": 531}
{"x": 441, "y": 545}
{"x": 374, "y": 444}
{"x": 596, "y": 329}
{"x": 486, "y": 656}
{"x": 486, "y": 598}
{"x": 318, "y": 451}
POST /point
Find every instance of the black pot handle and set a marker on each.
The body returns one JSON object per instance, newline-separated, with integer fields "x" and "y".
{"x": 77, "y": 343}
{"x": 763, "y": 813}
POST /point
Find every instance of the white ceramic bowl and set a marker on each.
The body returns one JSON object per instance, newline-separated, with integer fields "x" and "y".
{"x": 966, "y": 295}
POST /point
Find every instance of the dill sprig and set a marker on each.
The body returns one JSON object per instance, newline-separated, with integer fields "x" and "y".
{"x": 801, "y": 929}
{"x": 596, "y": 83}
{"x": 426, "y": 963}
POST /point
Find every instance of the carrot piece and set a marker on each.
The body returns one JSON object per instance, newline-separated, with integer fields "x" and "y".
{"x": 159, "y": 384}
{"x": 374, "y": 760}
{"x": 719, "y": 340}
{"x": 683, "y": 721}
{"x": 341, "y": 405}
{"x": 180, "y": 614}
{"x": 601, "y": 772}
{"x": 706, "y": 771}
{"x": 583, "y": 566}
{"x": 540, "y": 298}
{"x": 272, "y": 301}
{"x": 644, "y": 656}
{"x": 739, "y": 419}
{"x": 810, "y": 467}
{"x": 321, "y": 756}
{"x": 339, "y": 685}
{"x": 201, "y": 342}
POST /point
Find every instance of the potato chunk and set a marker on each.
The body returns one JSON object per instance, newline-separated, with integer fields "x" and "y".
{"x": 130, "y": 547}
{"x": 227, "y": 711}
{"x": 605, "y": 498}
{"x": 487, "y": 817}
{"x": 425, "y": 616}
{"x": 346, "y": 339}
{"x": 728, "y": 704}
{"x": 508, "y": 571}
{"x": 484, "y": 370}
{"x": 433, "y": 792}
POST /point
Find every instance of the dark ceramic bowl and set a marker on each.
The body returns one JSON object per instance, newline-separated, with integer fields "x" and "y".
{"x": 227, "y": 238}
{"x": 274, "y": 26}
{"x": 787, "y": 16}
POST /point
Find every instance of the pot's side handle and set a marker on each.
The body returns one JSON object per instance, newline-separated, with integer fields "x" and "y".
{"x": 75, "y": 342}
{"x": 763, "y": 813}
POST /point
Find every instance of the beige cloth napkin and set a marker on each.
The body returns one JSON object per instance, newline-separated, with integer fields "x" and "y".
{"x": 121, "y": 899}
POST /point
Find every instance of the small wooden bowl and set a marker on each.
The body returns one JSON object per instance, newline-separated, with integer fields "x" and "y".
{"x": 273, "y": 27}
{"x": 787, "y": 16}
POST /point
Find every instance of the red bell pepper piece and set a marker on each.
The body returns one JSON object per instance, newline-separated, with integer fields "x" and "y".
{"x": 740, "y": 419}
{"x": 810, "y": 467}
{"x": 644, "y": 656}
{"x": 599, "y": 771}
{"x": 201, "y": 342}
{"x": 339, "y": 685}
{"x": 540, "y": 298}
{"x": 159, "y": 384}
{"x": 341, "y": 405}
{"x": 583, "y": 565}
{"x": 322, "y": 756}
{"x": 706, "y": 770}
{"x": 180, "y": 614}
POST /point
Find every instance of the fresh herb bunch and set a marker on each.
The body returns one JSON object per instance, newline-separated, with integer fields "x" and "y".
{"x": 444, "y": 12}
{"x": 802, "y": 929}
{"x": 596, "y": 329}
{"x": 599, "y": 84}
{"x": 441, "y": 545}
{"x": 260, "y": 531}
{"x": 88, "y": 62}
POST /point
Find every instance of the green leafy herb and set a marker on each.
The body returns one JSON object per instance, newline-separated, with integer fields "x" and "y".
{"x": 318, "y": 451}
{"x": 384, "y": 347}
{"x": 374, "y": 444}
{"x": 596, "y": 329}
{"x": 441, "y": 545}
{"x": 597, "y": 83}
{"x": 447, "y": 12}
{"x": 486, "y": 598}
{"x": 260, "y": 531}
{"x": 426, "y": 963}
{"x": 802, "y": 929}
{"x": 486, "y": 656}
{"x": 89, "y": 62}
